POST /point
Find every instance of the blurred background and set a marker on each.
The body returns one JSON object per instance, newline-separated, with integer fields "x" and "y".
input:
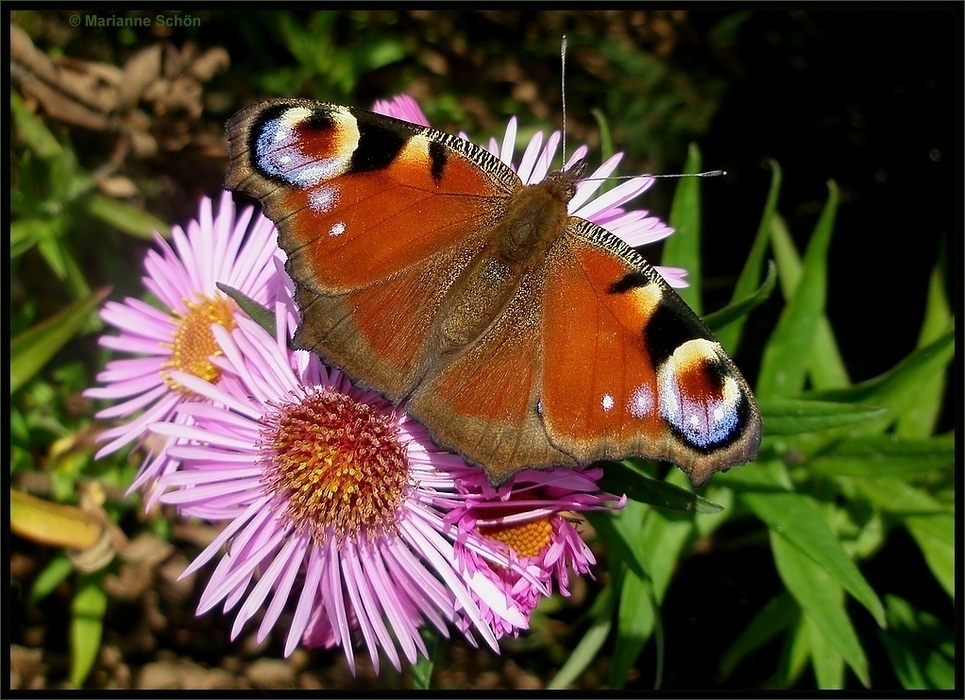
{"x": 869, "y": 98}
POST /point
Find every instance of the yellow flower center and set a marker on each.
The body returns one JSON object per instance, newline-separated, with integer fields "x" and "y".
{"x": 527, "y": 539}
{"x": 194, "y": 343}
{"x": 338, "y": 462}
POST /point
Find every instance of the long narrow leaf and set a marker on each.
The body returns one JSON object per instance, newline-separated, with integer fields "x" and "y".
{"x": 750, "y": 276}
{"x": 919, "y": 419}
{"x": 636, "y": 618}
{"x": 882, "y": 455}
{"x": 822, "y": 600}
{"x": 683, "y": 248}
{"x": 734, "y": 313}
{"x": 590, "y": 645}
{"x": 794, "y": 517}
{"x": 776, "y": 616}
{"x": 784, "y": 364}
{"x": 31, "y": 349}
{"x": 795, "y": 416}
{"x": 825, "y": 364}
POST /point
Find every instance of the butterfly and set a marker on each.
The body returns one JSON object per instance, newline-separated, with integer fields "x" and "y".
{"x": 519, "y": 335}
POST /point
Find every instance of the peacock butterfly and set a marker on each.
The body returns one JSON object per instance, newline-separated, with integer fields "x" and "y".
{"x": 519, "y": 335}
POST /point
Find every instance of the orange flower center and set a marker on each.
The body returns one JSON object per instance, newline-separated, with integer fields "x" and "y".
{"x": 339, "y": 463}
{"x": 194, "y": 343}
{"x": 527, "y": 539}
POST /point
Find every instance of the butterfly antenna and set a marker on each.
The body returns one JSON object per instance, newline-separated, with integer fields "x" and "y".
{"x": 563, "y": 92}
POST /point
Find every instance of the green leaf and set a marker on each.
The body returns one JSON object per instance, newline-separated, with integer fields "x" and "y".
{"x": 421, "y": 671}
{"x": 734, "y": 312}
{"x": 32, "y": 348}
{"x": 32, "y": 129}
{"x": 607, "y": 148}
{"x": 921, "y": 648}
{"x": 795, "y": 416}
{"x": 780, "y": 613}
{"x": 898, "y": 388}
{"x": 935, "y": 536}
{"x": 682, "y": 249}
{"x": 661, "y": 544}
{"x": 591, "y": 643}
{"x": 919, "y": 419}
{"x": 750, "y": 276}
{"x": 795, "y": 518}
{"x": 622, "y": 477}
{"x": 822, "y": 600}
{"x": 825, "y": 658}
{"x": 256, "y": 312}
{"x": 621, "y": 533}
{"x": 784, "y": 363}
{"x": 86, "y": 626}
{"x": 124, "y": 217}
{"x": 56, "y": 572}
{"x": 825, "y": 365}
{"x": 883, "y": 455}
{"x": 636, "y": 618}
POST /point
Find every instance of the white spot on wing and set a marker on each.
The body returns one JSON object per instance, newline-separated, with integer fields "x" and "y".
{"x": 322, "y": 199}
{"x": 338, "y": 228}
{"x": 641, "y": 402}
{"x": 607, "y": 402}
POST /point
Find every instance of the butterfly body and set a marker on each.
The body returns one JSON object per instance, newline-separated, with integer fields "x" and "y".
{"x": 519, "y": 335}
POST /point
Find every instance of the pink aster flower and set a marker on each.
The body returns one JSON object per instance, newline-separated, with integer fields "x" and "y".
{"x": 636, "y": 227}
{"x": 237, "y": 250}
{"x": 530, "y": 520}
{"x": 329, "y": 486}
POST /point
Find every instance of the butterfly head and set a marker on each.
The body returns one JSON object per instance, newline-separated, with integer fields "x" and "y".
{"x": 564, "y": 181}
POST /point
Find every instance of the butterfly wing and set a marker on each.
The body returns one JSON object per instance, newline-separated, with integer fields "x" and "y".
{"x": 378, "y": 218}
{"x": 629, "y": 369}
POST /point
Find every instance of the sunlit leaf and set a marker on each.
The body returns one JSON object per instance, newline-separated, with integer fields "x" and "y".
{"x": 793, "y": 416}
{"x": 31, "y": 349}
{"x": 86, "y": 625}
{"x": 683, "y": 248}
{"x": 822, "y": 601}
{"x": 734, "y": 312}
{"x": 785, "y": 360}
{"x": 636, "y": 618}
{"x": 591, "y": 643}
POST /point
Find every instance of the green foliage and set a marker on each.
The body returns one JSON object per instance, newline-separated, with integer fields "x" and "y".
{"x": 841, "y": 465}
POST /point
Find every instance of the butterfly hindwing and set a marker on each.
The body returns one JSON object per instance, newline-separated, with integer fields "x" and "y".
{"x": 653, "y": 379}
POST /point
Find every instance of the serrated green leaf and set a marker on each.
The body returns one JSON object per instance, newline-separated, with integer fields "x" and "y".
{"x": 256, "y": 312}
{"x": 636, "y": 617}
{"x": 825, "y": 365}
{"x": 124, "y": 217}
{"x": 729, "y": 336}
{"x": 884, "y": 455}
{"x": 919, "y": 418}
{"x": 736, "y": 311}
{"x": 795, "y": 518}
{"x": 682, "y": 249}
{"x": 795, "y": 416}
{"x": 897, "y": 388}
{"x": 785, "y": 359}
{"x": 86, "y": 625}
{"x": 826, "y": 660}
{"x": 620, "y": 477}
{"x": 31, "y": 349}
{"x": 590, "y": 645}
{"x": 777, "y": 615}
{"x": 920, "y": 647}
{"x": 822, "y": 600}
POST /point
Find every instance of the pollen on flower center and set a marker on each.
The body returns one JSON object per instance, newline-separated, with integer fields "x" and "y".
{"x": 527, "y": 539}
{"x": 339, "y": 464}
{"x": 194, "y": 343}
